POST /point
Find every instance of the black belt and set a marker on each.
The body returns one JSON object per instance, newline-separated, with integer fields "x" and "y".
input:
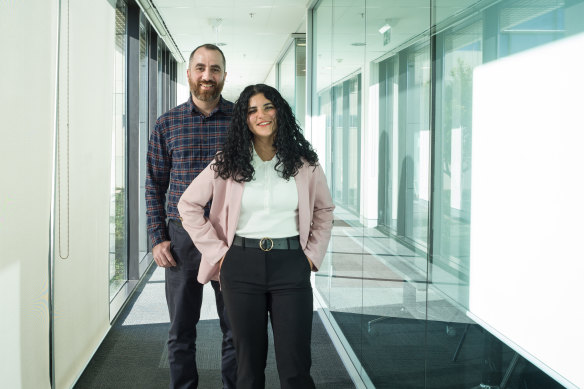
{"x": 267, "y": 244}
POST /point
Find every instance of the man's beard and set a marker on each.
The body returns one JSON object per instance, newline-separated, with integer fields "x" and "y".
{"x": 206, "y": 95}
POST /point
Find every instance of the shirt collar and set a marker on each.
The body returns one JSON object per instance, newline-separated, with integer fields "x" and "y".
{"x": 222, "y": 106}
{"x": 257, "y": 161}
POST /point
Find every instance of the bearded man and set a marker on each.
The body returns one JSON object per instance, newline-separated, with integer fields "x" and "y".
{"x": 184, "y": 141}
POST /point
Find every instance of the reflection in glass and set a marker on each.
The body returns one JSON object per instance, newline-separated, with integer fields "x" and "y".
{"x": 397, "y": 288}
{"x": 414, "y": 162}
{"x": 395, "y": 275}
{"x": 346, "y": 143}
{"x": 404, "y": 147}
{"x": 462, "y": 53}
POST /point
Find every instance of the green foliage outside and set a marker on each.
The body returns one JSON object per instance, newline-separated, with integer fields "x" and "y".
{"x": 120, "y": 237}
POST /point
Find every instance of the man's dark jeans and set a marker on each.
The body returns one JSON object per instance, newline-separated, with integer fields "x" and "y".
{"x": 184, "y": 296}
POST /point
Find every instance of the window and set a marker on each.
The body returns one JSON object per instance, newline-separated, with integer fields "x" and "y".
{"x": 159, "y": 80}
{"x": 144, "y": 132}
{"x": 118, "y": 255}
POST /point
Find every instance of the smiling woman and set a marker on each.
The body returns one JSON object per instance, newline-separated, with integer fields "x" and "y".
{"x": 269, "y": 225}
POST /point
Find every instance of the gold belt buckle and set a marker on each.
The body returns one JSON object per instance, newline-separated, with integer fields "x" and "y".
{"x": 265, "y": 240}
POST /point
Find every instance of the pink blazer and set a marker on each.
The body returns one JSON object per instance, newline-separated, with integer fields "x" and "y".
{"x": 213, "y": 236}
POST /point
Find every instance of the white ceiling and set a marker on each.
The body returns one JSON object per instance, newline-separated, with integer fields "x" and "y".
{"x": 253, "y": 42}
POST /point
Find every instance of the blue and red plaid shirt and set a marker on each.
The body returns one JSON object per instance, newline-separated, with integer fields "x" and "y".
{"x": 182, "y": 144}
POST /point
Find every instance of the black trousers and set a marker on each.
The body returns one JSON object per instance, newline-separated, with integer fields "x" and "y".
{"x": 184, "y": 296}
{"x": 257, "y": 283}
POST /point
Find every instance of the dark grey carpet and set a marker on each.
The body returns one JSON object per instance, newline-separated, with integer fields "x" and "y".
{"x": 133, "y": 354}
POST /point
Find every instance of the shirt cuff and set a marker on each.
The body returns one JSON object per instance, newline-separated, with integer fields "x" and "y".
{"x": 158, "y": 237}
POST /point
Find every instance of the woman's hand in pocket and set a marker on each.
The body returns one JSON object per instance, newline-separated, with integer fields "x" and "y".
{"x": 310, "y": 263}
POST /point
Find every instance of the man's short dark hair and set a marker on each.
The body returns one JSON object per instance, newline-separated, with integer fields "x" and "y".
{"x": 208, "y": 46}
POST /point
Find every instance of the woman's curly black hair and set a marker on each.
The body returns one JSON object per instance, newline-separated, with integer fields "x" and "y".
{"x": 292, "y": 149}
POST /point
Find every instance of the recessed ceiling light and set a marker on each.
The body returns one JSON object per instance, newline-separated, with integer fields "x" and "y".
{"x": 221, "y": 44}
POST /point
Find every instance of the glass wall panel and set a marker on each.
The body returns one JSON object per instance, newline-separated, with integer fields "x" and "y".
{"x": 336, "y": 136}
{"x": 412, "y": 222}
{"x": 144, "y": 132}
{"x": 118, "y": 208}
{"x": 388, "y": 144}
{"x": 300, "y": 81}
{"x": 395, "y": 276}
{"x": 348, "y": 51}
{"x": 159, "y": 80}
{"x": 167, "y": 79}
{"x": 396, "y": 279}
{"x": 458, "y": 52}
{"x": 286, "y": 76}
{"x": 461, "y": 52}
{"x": 346, "y": 143}
{"x": 173, "y": 83}
{"x": 292, "y": 77}
{"x": 322, "y": 115}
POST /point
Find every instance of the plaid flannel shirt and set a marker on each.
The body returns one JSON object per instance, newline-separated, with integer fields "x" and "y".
{"x": 182, "y": 144}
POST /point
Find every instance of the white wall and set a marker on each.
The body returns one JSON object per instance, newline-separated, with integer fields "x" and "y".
{"x": 82, "y": 280}
{"x": 27, "y": 73}
{"x": 27, "y": 38}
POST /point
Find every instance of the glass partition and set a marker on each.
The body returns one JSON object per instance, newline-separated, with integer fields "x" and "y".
{"x": 300, "y": 80}
{"x": 291, "y": 69}
{"x": 393, "y": 96}
{"x": 287, "y": 77}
